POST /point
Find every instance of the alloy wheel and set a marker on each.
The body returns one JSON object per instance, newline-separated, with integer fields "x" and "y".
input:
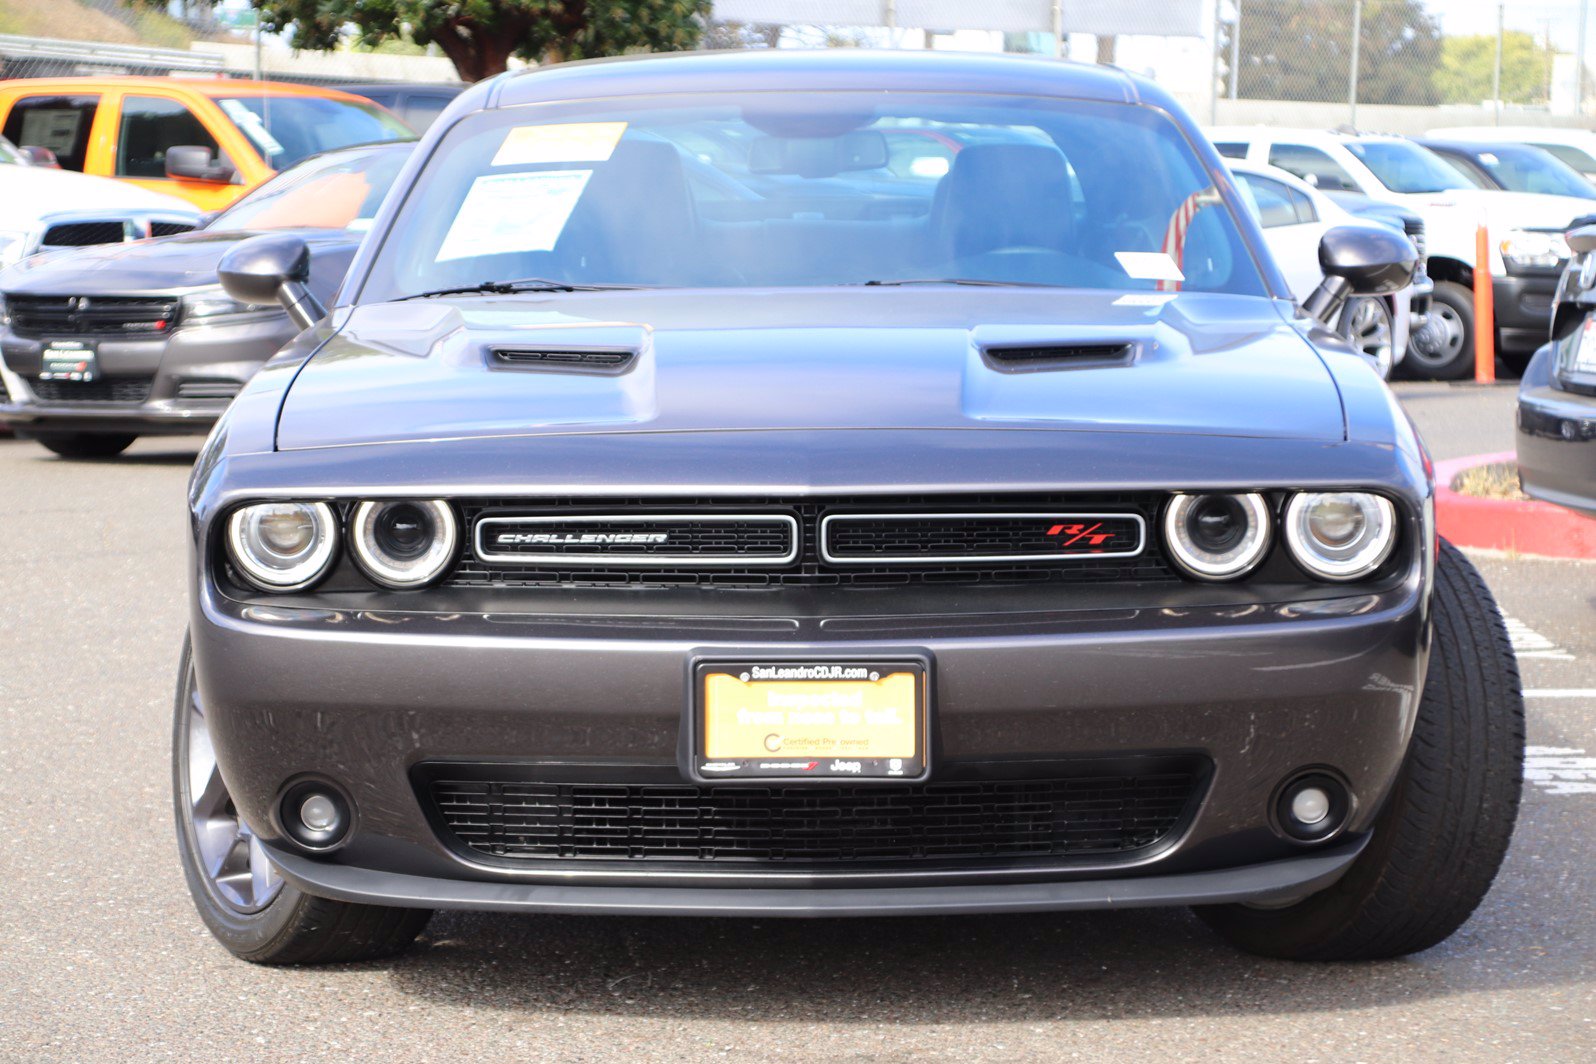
{"x": 1438, "y": 344}
{"x": 230, "y": 856}
{"x": 1367, "y": 326}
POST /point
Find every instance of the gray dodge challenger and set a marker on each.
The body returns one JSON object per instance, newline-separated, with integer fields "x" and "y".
{"x": 819, "y": 485}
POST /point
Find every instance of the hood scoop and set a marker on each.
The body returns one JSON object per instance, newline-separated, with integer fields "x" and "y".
{"x": 1025, "y": 358}
{"x": 565, "y": 359}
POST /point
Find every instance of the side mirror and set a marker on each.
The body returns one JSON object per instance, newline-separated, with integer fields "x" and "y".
{"x": 191, "y": 162}
{"x": 1583, "y": 239}
{"x": 274, "y": 268}
{"x": 1360, "y": 260}
{"x": 38, "y": 156}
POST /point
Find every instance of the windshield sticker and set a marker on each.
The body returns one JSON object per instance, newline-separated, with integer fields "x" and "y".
{"x": 571, "y": 142}
{"x": 1149, "y": 266}
{"x": 253, "y": 125}
{"x": 507, "y": 213}
{"x": 56, "y": 130}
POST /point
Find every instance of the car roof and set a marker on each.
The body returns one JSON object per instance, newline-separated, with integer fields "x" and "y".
{"x": 860, "y": 69}
{"x": 200, "y": 86}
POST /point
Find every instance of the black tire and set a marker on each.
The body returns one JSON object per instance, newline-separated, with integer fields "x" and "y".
{"x": 86, "y": 444}
{"x": 1444, "y": 829}
{"x": 292, "y": 927}
{"x": 1450, "y": 359}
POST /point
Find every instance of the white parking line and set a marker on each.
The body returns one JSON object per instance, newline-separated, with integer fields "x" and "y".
{"x": 1528, "y": 643}
{"x": 1560, "y": 769}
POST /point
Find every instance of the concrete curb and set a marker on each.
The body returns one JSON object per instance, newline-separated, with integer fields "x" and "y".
{"x": 1522, "y": 527}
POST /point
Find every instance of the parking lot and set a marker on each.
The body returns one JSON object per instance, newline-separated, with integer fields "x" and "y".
{"x": 102, "y": 957}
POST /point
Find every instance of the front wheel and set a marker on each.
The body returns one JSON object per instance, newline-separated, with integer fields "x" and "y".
{"x": 1367, "y": 324}
{"x": 86, "y": 444}
{"x": 1443, "y": 348}
{"x": 1445, "y": 826}
{"x": 241, "y": 897}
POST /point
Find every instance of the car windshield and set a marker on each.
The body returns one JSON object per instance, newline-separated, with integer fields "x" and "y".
{"x": 1519, "y": 168}
{"x": 338, "y": 191}
{"x": 286, "y": 129}
{"x": 1407, "y": 168}
{"x": 807, "y": 189}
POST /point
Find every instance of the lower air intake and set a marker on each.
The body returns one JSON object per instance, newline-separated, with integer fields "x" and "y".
{"x": 944, "y": 820}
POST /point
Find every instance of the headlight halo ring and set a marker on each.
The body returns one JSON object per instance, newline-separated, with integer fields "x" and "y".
{"x": 1204, "y": 565}
{"x": 1364, "y": 557}
{"x": 381, "y": 565}
{"x": 246, "y": 547}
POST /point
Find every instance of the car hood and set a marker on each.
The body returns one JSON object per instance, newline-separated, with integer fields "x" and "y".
{"x": 878, "y": 358}
{"x": 167, "y": 264}
{"x": 27, "y": 193}
{"x": 1509, "y": 210}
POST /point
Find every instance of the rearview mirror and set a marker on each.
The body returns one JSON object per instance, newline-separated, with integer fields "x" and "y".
{"x": 1583, "y": 239}
{"x": 38, "y": 156}
{"x": 194, "y": 163}
{"x": 274, "y": 268}
{"x": 1360, "y": 260}
{"x": 863, "y": 149}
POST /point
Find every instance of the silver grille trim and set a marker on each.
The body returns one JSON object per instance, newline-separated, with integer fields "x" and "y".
{"x": 623, "y": 560}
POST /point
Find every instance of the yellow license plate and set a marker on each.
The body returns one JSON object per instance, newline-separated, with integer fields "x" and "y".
{"x": 812, "y": 720}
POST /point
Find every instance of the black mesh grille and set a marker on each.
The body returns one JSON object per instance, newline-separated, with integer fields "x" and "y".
{"x": 954, "y": 820}
{"x": 204, "y": 389}
{"x": 170, "y": 228}
{"x": 104, "y": 390}
{"x": 1414, "y": 228}
{"x": 91, "y": 315}
{"x": 809, "y": 570}
{"x": 82, "y": 234}
{"x": 703, "y": 536}
{"x": 866, "y": 537}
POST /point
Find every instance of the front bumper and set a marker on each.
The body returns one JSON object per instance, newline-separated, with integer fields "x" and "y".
{"x": 1556, "y": 431}
{"x": 218, "y": 354}
{"x": 1260, "y": 690}
{"x": 1523, "y": 310}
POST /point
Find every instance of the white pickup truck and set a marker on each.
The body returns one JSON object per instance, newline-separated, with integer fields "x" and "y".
{"x": 1526, "y": 247}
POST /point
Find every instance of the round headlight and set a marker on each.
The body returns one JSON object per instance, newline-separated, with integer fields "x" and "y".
{"x": 1217, "y": 537}
{"x": 282, "y": 546}
{"x": 403, "y": 544}
{"x": 1340, "y": 535}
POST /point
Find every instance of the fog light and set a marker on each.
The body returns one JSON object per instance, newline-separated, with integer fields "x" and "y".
{"x": 315, "y": 814}
{"x": 1312, "y": 806}
{"x": 320, "y": 813}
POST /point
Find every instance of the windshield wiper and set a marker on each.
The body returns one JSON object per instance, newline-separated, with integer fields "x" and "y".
{"x": 524, "y": 284}
{"x": 951, "y": 280}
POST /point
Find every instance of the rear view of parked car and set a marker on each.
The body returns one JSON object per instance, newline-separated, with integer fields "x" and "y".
{"x": 108, "y": 344}
{"x": 419, "y": 105}
{"x": 1557, "y": 397}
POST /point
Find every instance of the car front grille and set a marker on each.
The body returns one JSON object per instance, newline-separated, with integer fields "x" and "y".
{"x": 104, "y": 390}
{"x": 198, "y": 389}
{"x": 1414, "y": 228}
{"x": 170, "y": 228}
{"x": 83, "y": 234}
{"x": 124, "y": 316}
{"x": 931, "y": 546}
{"x": 506, "y": 814}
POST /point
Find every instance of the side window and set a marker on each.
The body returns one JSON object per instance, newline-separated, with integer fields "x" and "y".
{"x": 1313, "y": 166}
{"x": 1579, "y": 160}
{"x": 149, "y": 126}
{"x": 60, "y": 123}
{"x": 1302, "y": 205}
{"x": 1231, "y": 149}
{"x": 1273, "y": 200}
{"x": 421, "y": 110}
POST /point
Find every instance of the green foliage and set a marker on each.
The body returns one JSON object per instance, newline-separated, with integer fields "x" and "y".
{"x": 480, "y": 36}
{"x": 1468, "y": 63}
{"x": 1291, "y": 50}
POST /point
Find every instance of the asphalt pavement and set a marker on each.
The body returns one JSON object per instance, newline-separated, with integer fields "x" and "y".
{"x": 102, "y": 957}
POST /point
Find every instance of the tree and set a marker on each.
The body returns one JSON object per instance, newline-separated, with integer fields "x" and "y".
{"x": 1468, "y": 66}
{"x": 1302, "y": 50}
{"x": 480, "y": 36}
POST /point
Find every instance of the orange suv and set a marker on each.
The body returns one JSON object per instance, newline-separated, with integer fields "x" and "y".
{"x": 208, "y": 140}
